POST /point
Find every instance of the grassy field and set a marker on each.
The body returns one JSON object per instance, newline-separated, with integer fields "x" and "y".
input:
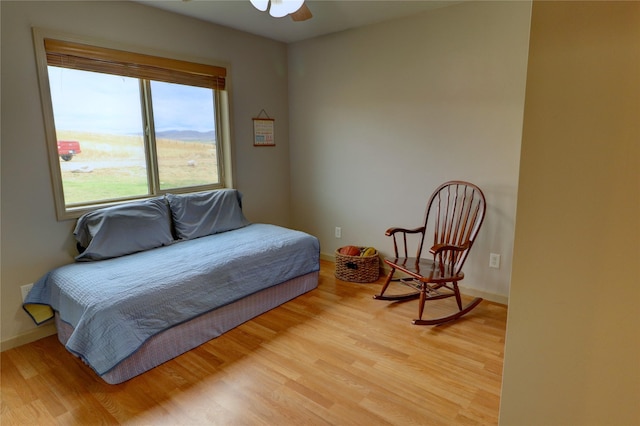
{"x": 113, "y": 166}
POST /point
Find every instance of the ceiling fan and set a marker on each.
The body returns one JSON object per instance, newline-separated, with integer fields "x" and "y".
{"x": 297, "y": 9}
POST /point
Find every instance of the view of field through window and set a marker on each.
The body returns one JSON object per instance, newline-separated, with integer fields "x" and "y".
{"x": 112, "y": 166}
{"x": 104, "y": 114}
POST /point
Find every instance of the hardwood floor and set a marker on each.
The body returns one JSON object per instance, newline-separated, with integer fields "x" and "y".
{"x": 331, "y": 356}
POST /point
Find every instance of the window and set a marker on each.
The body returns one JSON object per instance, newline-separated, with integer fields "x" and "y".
{"x": 124, "y": 125}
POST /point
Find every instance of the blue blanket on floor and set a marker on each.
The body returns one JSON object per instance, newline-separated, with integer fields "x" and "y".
{"x": 116, "y": 305}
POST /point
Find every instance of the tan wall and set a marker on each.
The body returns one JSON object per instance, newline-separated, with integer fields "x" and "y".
{"x": 32, "y": 240}
{"x": 381, "y": 115}
{"x": 573, "y": 342}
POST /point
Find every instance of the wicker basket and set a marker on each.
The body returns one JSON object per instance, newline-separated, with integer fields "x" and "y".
{"x": 359, "y": 269}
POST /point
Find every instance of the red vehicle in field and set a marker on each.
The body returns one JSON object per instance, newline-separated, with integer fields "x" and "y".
{"x": 67, "y": 149}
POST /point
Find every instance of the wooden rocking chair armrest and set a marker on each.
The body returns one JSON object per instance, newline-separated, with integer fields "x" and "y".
{"x": 394, "y": 230}
{"x": 439, "y": 248}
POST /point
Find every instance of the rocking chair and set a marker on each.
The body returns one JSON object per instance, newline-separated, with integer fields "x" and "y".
{"x": 454, "y": 214}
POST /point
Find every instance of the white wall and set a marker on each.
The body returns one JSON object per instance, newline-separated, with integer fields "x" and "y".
{"x": 572, "y": 353}
{"x": 381, "y": 115}
{"x": 32, "y": 241}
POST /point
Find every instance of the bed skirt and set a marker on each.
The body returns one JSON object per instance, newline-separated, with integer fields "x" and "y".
{"x": 188, "y": 335}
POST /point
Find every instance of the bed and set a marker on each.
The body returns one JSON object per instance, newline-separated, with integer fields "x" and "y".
{"x": 124, "y": 310}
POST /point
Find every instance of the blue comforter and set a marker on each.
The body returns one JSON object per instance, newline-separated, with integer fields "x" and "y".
{"x": 115, "y": 305}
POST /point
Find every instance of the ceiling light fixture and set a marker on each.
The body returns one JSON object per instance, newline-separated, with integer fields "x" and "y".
{"x": 278, "y": 8}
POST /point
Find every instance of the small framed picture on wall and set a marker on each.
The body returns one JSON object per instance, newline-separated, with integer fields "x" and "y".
{"x": 263, "y": 132}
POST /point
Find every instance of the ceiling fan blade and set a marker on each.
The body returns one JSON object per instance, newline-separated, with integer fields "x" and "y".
{"x": 301, "y": 14}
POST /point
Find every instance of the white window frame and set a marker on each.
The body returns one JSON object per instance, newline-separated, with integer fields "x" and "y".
{"x": 222, "y": 107}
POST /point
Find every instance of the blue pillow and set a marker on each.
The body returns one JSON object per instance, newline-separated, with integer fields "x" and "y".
{"x": 124, "y": 229}
{"x": 205, "y": 213}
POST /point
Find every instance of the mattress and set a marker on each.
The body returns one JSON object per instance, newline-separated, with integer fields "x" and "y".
{"x": 116, "y": 305}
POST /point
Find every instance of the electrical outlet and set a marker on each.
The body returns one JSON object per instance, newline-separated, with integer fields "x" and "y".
{"x": 338, "y": 232}
{"x": 25, "y": 289}
{"x": 494, "y": 260}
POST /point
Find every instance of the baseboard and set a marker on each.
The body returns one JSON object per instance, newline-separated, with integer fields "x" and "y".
{"x": 496, "y": 298}
{"x": 28, "y": 337}
{"x": 328, "y": 257}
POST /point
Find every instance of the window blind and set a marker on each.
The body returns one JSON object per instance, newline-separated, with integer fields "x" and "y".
{"x": 111, "y": 61}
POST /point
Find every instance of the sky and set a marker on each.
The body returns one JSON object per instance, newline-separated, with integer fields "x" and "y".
{"x": 104, "y": 103}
